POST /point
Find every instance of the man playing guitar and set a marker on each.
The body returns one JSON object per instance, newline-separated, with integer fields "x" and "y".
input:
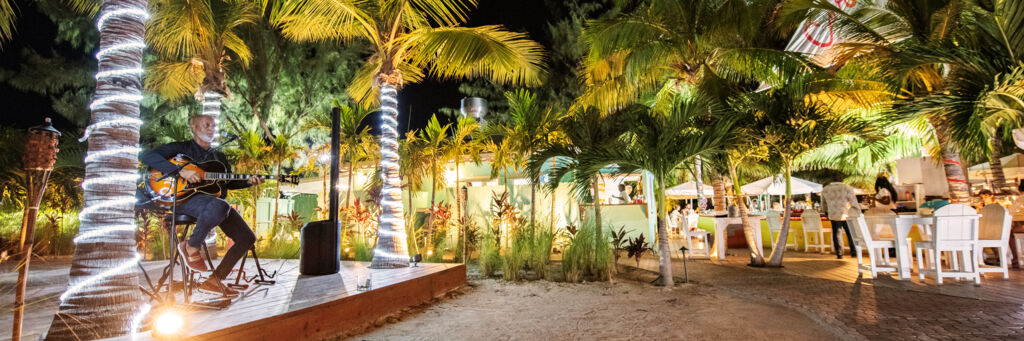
{"x": 208, "y": 210}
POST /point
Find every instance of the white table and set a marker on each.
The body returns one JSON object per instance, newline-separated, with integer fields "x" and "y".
{"x": 904, "y": 222}
{"x": 721, "y": 223}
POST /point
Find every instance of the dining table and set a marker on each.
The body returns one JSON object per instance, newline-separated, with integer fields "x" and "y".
{"x": 904, "y": 223}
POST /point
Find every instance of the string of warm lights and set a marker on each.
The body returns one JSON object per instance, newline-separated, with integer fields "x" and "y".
{"x": 111, "y": 175}
{"x": 391, "y": 250}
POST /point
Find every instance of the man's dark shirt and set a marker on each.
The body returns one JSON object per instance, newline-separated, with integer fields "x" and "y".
{"x": 158, "y": 159}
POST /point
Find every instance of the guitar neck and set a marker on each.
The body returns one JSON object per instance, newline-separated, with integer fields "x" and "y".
{"x": 232, "y": 176}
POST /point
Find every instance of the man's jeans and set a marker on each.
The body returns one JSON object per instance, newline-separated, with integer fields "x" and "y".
{"x": 836, "y": 225}
{"x": 212, "y": 211}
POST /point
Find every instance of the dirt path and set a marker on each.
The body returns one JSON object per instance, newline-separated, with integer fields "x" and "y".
{"x": 540, "y": 310}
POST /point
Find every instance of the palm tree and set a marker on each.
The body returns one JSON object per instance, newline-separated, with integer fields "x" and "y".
{"x": 461, "y": 144}
{"x": 415, "y": 161}
{"x": 530, "y": 125}
{"x": 251, "y": 155}
{"x": 281, "y": 150}
{"x": 792, "y": 120}
{"x": 662, "y": 46}
{"x": 409, "y": 41}
{"x": 194, "y": 41}
{"x": 896, "y": 40}
{"x": 102, "y": 299}
{"x": 659, "y": 142}
{"x": 585, "y": 131}
{"x": 434, "y": 140}
{"x": 8, "y": 15}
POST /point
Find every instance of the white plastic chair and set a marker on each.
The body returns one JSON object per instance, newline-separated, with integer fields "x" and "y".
{"x": 956, "y": 230}
{"x": 1018, "y": 238}
{"x": 994, "y": 232}
{"x": 774, "y": 219}
{"x": 696, "y": 240}
{"x": 812, "y": 227}
{"x": 691, "y": 220}
{"x": 878, "y": 250}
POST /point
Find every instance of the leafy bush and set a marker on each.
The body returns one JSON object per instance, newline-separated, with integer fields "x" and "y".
{"x": 637, "y": 247}
{"x": 363, "y": 252}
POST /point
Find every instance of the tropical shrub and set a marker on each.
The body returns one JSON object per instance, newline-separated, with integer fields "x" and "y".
{"x": 585, "y": 259}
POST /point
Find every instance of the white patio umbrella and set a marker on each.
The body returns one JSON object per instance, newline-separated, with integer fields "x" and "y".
{"x": 688, "y": 189}
{"x": 776, "y": 185}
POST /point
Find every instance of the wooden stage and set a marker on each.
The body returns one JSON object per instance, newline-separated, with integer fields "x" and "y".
{"x": 295, "y": 308}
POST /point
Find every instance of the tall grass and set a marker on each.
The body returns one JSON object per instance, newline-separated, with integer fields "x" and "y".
{"x": 583, "y": 259}
{"x": 529, "y": 249}
{"x": 490, "y": 253}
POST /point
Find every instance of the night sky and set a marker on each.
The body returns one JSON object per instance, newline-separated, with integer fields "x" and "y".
{"x": 22, "y": 110}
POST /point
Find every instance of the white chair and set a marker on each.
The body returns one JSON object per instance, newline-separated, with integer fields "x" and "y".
{"x": 956, "y": 230}
{"x": 774, "y": 220}
{"x": 696, "y": 240}
{"x": 878, "y": 250}
{"x": 994, "y": 232}
{"x": 812, "y": 227}
{"x": 1018, "y": 238}
{"x": 691, "y": 220}
{"x": 881, "y": 224}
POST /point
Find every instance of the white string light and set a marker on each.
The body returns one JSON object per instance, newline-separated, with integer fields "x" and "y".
{"x": 124, "y": 152}
{"x": 391, "y": 250}
{"x": 117, "y": 270}
{"x": 118, "y": 90}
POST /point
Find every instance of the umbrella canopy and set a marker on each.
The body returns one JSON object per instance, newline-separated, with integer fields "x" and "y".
{"x": 776, "y": 185}
{"x": 688, "y": 189}
{"x": 1014, "y": 160}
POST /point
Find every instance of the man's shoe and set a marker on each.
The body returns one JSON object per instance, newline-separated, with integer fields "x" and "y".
{"x": 839, "y": 256}
{"x": 214, "y": 285}
{"x": 193, "y": 260}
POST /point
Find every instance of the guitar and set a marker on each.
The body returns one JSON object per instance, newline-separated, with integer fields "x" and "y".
{"x": 214, "y": 181}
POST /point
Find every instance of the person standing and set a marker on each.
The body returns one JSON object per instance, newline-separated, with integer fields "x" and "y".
{"x": 838, "y": 199}
{"x": 885, "y": 193}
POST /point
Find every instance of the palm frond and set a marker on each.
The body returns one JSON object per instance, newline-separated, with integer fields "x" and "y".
{"x": 327, "y": 20}
{"x": 174, "y": 80}
{"x": 486, "y": 51}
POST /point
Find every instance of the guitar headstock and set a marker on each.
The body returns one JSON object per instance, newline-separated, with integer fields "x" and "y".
{"x": 292, "y": 179}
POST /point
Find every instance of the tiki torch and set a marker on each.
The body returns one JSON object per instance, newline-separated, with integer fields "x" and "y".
{"x": 40, "y": 154}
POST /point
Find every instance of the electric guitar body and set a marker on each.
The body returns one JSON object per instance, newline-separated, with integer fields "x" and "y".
{"x": 214, "y": 183}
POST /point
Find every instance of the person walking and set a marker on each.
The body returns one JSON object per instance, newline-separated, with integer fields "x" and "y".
{"x": 838, "y": 199}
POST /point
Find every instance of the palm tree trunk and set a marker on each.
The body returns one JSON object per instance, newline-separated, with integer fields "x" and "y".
{"x": 597, "y": 212}
{"x": 351, "y": 173}
{"x": 780, "y": 245}
{"x": 664, "y": 250}
{"x": 533, "y": 204}
{"x": 277, "y": 198}
{"x": 719, "y": 186}
{"x": 103, "y": 299}
{"x": 756, "y": 257}
{"x": 554, "y": 194}
{"x": 391, "y": 250}
{"x": 959, "y": 193}
{"x": 429, "y": 237}
{"x": 698, "y": 176}
{"x": 996, "y": 165}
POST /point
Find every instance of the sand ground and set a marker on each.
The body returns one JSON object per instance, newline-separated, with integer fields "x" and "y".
{"x": 489, "y": 309}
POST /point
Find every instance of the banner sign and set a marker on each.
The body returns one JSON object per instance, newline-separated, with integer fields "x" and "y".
{"x": 816, "y": 34}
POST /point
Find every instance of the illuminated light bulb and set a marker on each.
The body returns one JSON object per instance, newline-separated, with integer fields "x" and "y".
{"x": 430, "y": 252}
{"x": 168, "y": 322}
{"x": 346, "y": 250}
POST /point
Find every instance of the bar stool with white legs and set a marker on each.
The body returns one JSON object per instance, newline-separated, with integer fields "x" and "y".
{"x": 994, "y": 232}
{"x": 956, "y": 230}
